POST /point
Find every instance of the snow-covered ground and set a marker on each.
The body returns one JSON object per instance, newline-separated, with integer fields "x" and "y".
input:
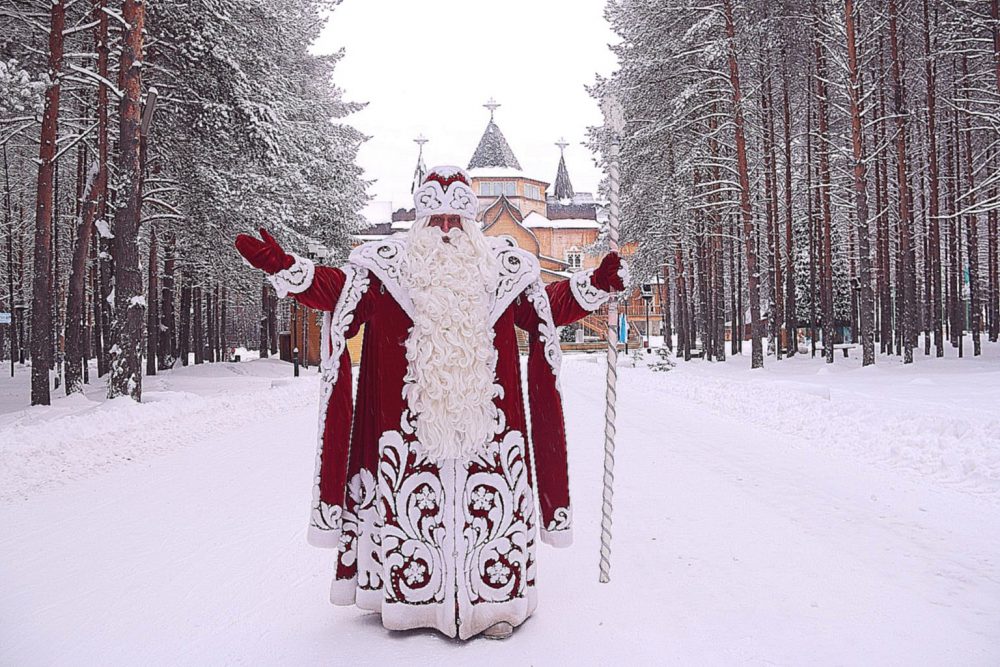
{"x": 803, "y": 514}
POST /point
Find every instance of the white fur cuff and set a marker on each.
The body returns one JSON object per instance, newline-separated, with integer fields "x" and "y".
{"x": 623, "y": 273}
{"x": 295, "y": 279}
{"x": 557, "y": 538}
{"x": 343, "y": 592}
{"x": 589, "y": 297}
{"x": 324, "y": 539}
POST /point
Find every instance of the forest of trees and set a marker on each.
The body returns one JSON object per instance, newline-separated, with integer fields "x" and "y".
{"x": 137, "y": 139}
{"x": 824, "y": 169}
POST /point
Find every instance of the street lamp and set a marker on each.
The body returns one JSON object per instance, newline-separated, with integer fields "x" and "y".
{"x": 646, "y": 292}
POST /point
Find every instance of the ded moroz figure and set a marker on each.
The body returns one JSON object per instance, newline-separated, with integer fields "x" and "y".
{"x": 424, "y": 484}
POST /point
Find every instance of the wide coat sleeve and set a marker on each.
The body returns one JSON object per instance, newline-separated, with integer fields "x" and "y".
{"x": 344, "y": 296}
{"x": 539, "y": 310}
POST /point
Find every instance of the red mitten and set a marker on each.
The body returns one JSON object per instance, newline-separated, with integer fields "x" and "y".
{"x": 608, "y": 276}
{"x": 265, "y": 254}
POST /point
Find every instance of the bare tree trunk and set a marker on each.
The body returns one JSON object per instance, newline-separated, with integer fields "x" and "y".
{"x": 934, "y": 222}
{"x": 223, "y": 324}
{"x": 791, "y": 321}
{"x": 866, "y": 302}
{"x": 993, "y": 267}
{"x": 972, "y": 233}
{"x": 126, "y": 365}
{"x": 908, "y": 274}
{"x": 197, "y": 325}
{"x": 93, "y": 205}
{"x": 15, "y": 342}
{"x": 753, "y": 287}
{"x": 152, "y": 307}
{"x": 184, "y": 342}
{"x": 683, "y": 345}
{"x": 265, "y": 298}
{"x": 41, "y": 301}
{"x": 168, "y": 334}
{"x": 826, "y": 241}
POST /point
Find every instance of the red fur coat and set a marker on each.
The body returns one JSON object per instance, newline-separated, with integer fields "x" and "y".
{"x": 450, "y": 545}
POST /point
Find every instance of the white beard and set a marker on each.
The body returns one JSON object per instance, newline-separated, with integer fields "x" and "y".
{"x": 451, "y": 360}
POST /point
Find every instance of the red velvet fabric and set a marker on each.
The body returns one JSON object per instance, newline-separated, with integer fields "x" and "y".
{"x": 351, "y": 436}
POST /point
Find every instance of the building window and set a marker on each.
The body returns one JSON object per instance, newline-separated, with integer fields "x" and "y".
{"x": 575, "y": 260}
{"x": 497, "y": 188}
{"x": 532, "y": 191}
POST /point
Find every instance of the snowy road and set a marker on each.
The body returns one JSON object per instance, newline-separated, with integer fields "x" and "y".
{"x": 760, "y": 519}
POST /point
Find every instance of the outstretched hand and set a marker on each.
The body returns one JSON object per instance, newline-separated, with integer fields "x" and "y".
{"x": 610, "y": 275}
{"x": 263, "y": 253}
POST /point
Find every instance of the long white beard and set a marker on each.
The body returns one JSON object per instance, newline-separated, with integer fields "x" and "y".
{"x": 449, "y": 384}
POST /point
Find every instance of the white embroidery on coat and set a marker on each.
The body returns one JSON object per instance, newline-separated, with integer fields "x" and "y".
{"x": 412, "y": 536}
{"x": 562, "y": 519}
{"x": 589, "y": 297}
{"x": 385, "y": 259}
{"x": 498, "y": 509}
{"x": 295, "y": 279}
{"x": 547, "y": 331}
{"x": 327, "y": 517}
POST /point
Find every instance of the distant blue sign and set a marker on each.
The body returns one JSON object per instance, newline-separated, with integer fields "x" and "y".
{"x": 4, "y": 318}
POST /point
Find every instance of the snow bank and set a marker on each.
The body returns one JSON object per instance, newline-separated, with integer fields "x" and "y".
{"x": 79, "y": 436}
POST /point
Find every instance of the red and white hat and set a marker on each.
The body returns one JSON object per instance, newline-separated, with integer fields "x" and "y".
{"x": 446, "y": 190}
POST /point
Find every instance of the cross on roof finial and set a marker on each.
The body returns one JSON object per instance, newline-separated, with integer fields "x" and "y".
{"x": 420, "y": 141}
{"x": 562, "y": 144}
{"x": 492, "y": 105}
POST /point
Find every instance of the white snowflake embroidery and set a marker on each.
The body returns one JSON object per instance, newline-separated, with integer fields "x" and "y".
{"x": 482, "y": 499}
{"x": 414, "y": 572}
{"x": 426, "y": 498}
{"x": 498, "y": 572}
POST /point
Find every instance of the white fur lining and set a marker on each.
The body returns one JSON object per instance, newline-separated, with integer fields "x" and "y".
{"x": 385, "y": 257}
{"x": 295, "y": 279}
{"x": 547, "y": 331}
{"x": 559, "y": 531}
{"x": 326, "y": 519}
{"x": 589, "y": 297}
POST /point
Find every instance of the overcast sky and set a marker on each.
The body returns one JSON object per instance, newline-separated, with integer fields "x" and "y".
{"x": 428, "y": 67}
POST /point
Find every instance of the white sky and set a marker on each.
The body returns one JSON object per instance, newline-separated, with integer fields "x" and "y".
{"x": 427, "y": 67}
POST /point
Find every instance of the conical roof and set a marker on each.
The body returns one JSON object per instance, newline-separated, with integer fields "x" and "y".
{"x": 563, "y": 188}
{"x": 493, "y": 150}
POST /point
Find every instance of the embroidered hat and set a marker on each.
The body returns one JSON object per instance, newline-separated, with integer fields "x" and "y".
{"x": 446, "y": 190}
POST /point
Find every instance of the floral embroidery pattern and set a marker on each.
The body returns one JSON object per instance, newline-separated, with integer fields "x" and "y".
{"x": 498, "y": 573}
{"x": 482, "y": 499}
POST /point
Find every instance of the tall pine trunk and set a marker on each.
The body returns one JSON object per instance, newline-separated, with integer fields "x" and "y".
{"x": 865, "y": 300}
{"x": 168, "y": 333}
{"x": 825, "y": 236}
{"x": 41, "y": 298}
{"x": 152, "y": 307}
{"x": 126, "y": 364}
{"x": 265, "y": 299}
{"x": 95, "y": 187}
{"x": 753, "y": 286}
{"x": 972, "y": 231}
{"x": 907, "y": 280}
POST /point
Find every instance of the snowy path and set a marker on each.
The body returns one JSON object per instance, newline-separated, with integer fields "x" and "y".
{"x": 736, "y": 540}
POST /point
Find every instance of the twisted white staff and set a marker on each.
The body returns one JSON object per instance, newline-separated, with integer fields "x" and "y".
{"x": 614, "y": 121}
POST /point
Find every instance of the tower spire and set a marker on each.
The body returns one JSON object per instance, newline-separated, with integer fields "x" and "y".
{"x": 421, "y": 169}
{"x": 563, "y": 187}
{"x": 493, "y": 149}
{"x": 492, "y": 105}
